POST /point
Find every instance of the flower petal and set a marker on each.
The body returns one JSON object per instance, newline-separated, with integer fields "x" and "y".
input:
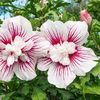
{"x": 29, "y": 44}
{"x": 17, "y": 26}
{"x": 4, "y": 55}
{"x": 25, "y": 70}
{"x": 2, "y": 46}
{"x": 65, "y": 60}
{"x": 24, "y": 58}
{"x": 6, "y": 73}
{"x": 55, "y": 32}
{"x": 40, "y": 46}
{"x": 5, "y": 37}
{"x": 19, "y": 21}
{"x": 78, "y": 32}
{"x": 60, "y": 76}
{"x": 44, "y": 63}
{"x": 54, "y": 53}
{"x": 83, "y": 61}
{"x": 18, "y": 42}
{"x": 10, "y": 60}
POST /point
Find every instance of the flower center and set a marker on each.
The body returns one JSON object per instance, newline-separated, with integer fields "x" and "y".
{"x": 60, "y": 52}
{"x": 13, "y": 51}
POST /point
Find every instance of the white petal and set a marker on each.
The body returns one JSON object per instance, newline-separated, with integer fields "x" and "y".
{"x": 24, "y": 58}
{"x": 2, "y": 45}
{"x": 19, "y": 21}
{"x": 40, "y": 46}
{"x": 55, "y": 32}
{"x": 5, "y": 37}
{"x": 65, "y": 60}
{"x": 44, "y": 64}
{"x": 6, "y": 73}
{"x": 55, "y": 57}
{"x": 25, "y": 70}
{"x": 78, "y": 32}
{"x": 18, "y": 42}
{"x": 4, "y": 55}
{"x": 60, "y": 76}
{"x": 10, "y": 60}
{"x": 83, "y": 61}
{"x": 55, "y": 54}
{"x": 70, "y": 46}
{"x": 29, "y": 44}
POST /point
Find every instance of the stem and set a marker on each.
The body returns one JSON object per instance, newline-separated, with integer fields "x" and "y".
{"x": 84, "y": 95}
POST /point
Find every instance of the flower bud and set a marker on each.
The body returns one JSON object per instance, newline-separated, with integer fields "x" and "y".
{"x": 85, "y": 16}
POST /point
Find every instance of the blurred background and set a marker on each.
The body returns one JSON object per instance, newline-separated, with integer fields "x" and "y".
{"x": 38, "y": 11}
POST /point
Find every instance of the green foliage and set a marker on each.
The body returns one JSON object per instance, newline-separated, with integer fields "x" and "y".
{"x": 83, "y": 88}
{"x": 96, "y": 70}
{"x": 38, "y": 94}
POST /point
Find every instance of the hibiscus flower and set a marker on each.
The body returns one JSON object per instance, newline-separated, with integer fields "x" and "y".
{"x": 19, "y": 49}
{"x": 66, "y": 58}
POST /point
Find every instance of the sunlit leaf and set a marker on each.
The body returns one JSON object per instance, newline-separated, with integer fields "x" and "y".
{"x": 38, "y": 94}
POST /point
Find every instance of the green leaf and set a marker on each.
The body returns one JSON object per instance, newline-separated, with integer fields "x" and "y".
{"x": 19, "y": 98}
{"x": 78, "y": 86}
{"x": 85, "y": 79}
{"x": 96, "y": 70}
{"x": 66, "y": 95}
{"x": 25, "y": 89}
{"x": 38, "y": 7}
{"x": 96, "y": 25}
{"x": 91, "y": 90}
{"x": 51, "y": 12}
{"x": 53, "y": 91}
{"x": 64, "y": 14}
{"x": 35, "y": 22}
{"x": 8, "y": 96}
{"x": 1, "y": 96}
{"x": 38, "y": 94}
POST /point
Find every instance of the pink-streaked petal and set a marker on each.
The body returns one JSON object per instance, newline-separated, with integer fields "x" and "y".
{"x": 4, "y": 55}
{"x": 83, "y": 61}
{"x": 5, "y": 37}
{"x": 44, "y": 63}
{"x": 60, "y": 76}
{"x": 10, "y": 60}
{"x": 55, "y": 32}
{"x": 24, "y": 58}
{"x": 40, "y": 46}
{"x": 18, "y": 42}
{"x": 17, "y": 26}
{"x": 15, "y": 30}
{"x": 78, "y": 32}
{"x": 2, "y": 46}
{"x": 30, "y": 36}
{"x": 25, "y": 70}
{"x": 2, "y": 62}
{"x": 29, "y": 44}
{"x": 19, "y": 21}
{"x": 6, "y": 72}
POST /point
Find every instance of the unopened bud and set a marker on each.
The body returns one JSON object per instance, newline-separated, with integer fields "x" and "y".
{"x": 85, "y": 16}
